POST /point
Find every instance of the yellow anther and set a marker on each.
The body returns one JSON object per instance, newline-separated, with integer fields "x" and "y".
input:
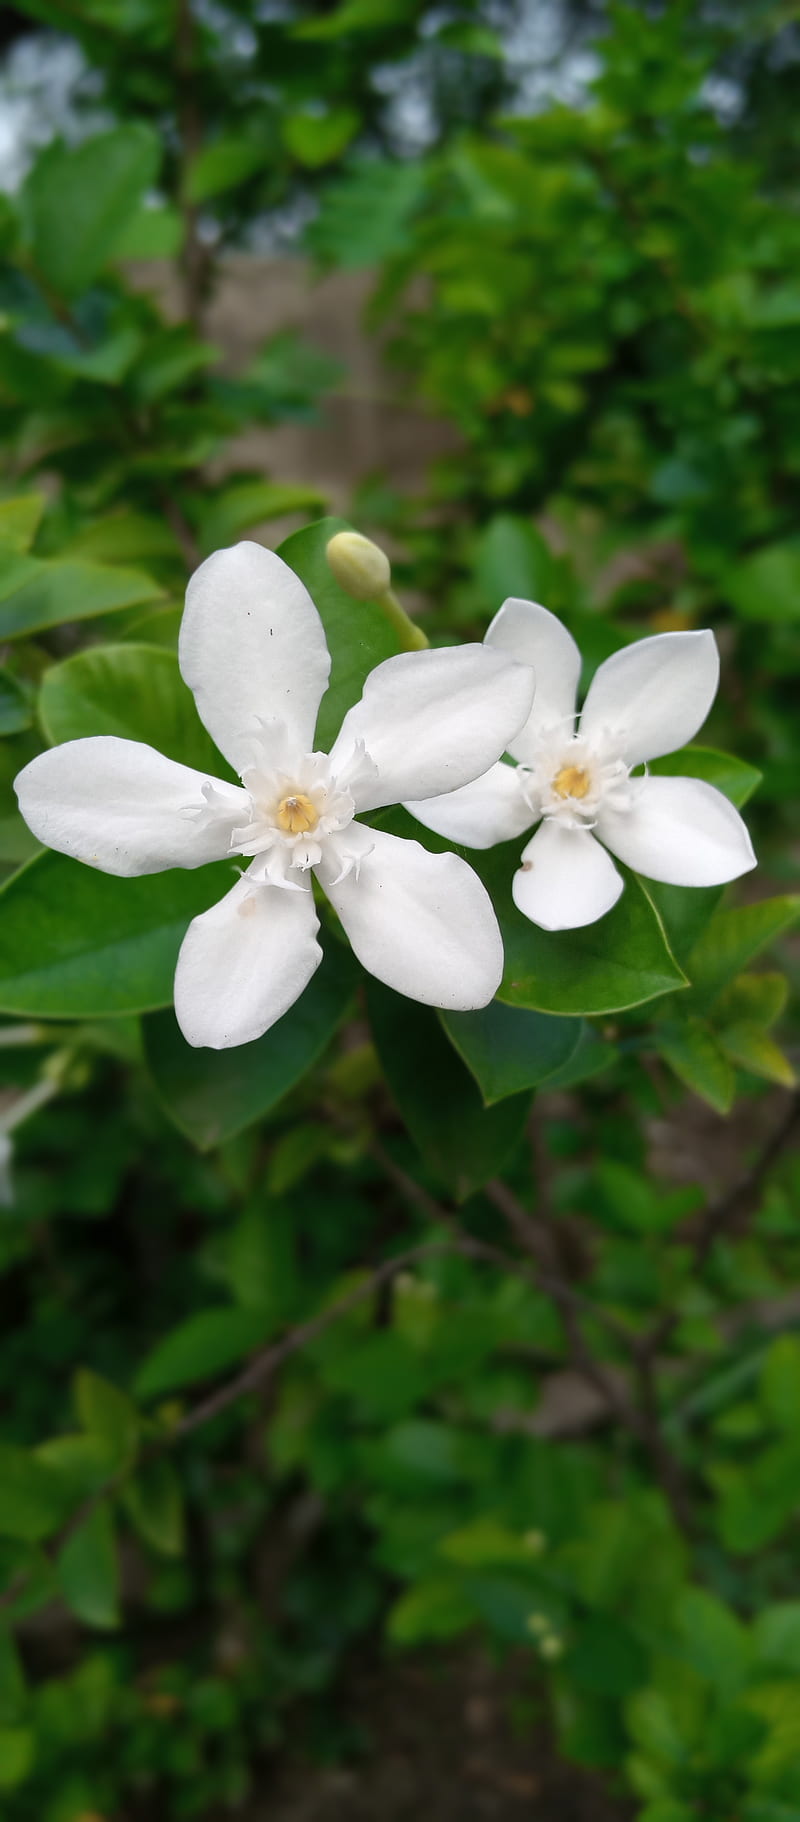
{"x": 296, "y": 814}
{"x": 571, "y": 781}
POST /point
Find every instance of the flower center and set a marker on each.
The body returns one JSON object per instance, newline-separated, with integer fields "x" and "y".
{"x": 297, "y": 814}
{"x": 571, "y": 781}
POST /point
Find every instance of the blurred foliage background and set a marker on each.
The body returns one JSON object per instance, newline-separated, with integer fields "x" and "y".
{"x": 556, "y": 1421}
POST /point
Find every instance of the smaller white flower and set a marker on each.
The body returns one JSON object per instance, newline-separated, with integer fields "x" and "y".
{"x": 252, "y": 648}
{"x": 582, "y": 784}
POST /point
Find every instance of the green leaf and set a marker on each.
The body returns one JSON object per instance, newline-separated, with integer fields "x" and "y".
{"x": 358, "y": 633}
{"x": 465, "y": 1142}
{"x": 508, "y": 1049}
{"x": 88, "y": 1571}
{"x": 766, "y": 586}
{"x": 154, "y": 1505}
{"x": 245, "y": 503}
{"x": 620, "y": 961}
{"x": 206, "y": 1344}
{"x": 108, "y": 1413}
{"x": 732, "y": 776}
{"x": 780, "y": 1382}
{"x": 17, "y": 1755}
{"x": 77, "y": 202}
{"x": 317, "y": 139}
{"x": 365, "y": 217}
{"x": 692, "y": 1051}
{"x": 715, "y": 1641}
{"x": 153, "y": 231}
{"x": 512, "y": 558}
{"x": 212, "y": 1094}
{"x": 224, "y": 164}
{"x": 75, "y": 943}
{"x": 732, "y": 938}
{"x": 750, "y": 1047}
{"x": 19, "y": 522}
{"x": 31, "y": 1497}
{"x": 435, "y": 1608}
{"x": 15, "y": 710}
{"x": 35, "y": 595}
{"x": 133, "y": 691}
{"x": 777, "y": 1636}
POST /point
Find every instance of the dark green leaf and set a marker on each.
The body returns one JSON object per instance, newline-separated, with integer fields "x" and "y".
{"x": 212, "y": 1094}
{"x": 15, "y": 710}
{"x": 732, "y": 776}
{"x": 35, "y": 595}
{"x": 107, "y": 1412}
{"x": 154, "y": 1505}
{"x": 465, "y": 1142}
{"x": 508, "y": 1049}
{"x": 88, "y": 1572}
{"x": 133, "y": 691}
{"x": 31, "y": 1497}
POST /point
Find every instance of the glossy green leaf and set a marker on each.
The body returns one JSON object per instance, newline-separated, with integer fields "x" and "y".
{"x": 359, "y": 635}
{"x": 78, "y": 200}
{"x": 212, "y": 1094}
{"x": 133, "y": 691}
{"x": 35, "y": 595}
{"x": 622, "y": 960}
{"x": 154, "y": 1504}
{"x": 88, "y": 1570}
{"x": 203, "y": 1346}
{"x": 75, "y": 943}
{"x": 508, "y": 1049}
{"x": 732, "y": 776}
{"x": 465, "y": 1142}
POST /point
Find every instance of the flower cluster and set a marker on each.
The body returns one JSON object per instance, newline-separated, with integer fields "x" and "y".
{"x": 429, "y": 731}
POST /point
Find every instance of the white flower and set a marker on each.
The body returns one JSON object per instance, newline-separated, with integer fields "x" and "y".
{"x": 580, "y": 783}
{"x": 252, "y": 649}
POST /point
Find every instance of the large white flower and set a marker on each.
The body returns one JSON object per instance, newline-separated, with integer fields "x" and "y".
{"x": 581, "y": 784}
{"x": 252, "y": 649}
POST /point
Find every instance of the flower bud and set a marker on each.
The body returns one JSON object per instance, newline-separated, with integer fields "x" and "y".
{"x": 551, "y": 1646}
{"x": 360, "y": 567}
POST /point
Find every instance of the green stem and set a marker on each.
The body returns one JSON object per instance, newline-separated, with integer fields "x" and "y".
{"x": 410, "y": 635}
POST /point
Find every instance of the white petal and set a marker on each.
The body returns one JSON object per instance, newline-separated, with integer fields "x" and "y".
{"x": 566, "y": 879}
{"x": 536, "y": 637}
{"x": 433, "y": 720}
{"x": 252, "y": 648}
{"x": 653, "y": 695}
{"x": 420, "y": 922}
{"x": 489, "y": 810}
{"x": 121, "y": 806}
{"x": 244, "y": 963}
{"x": 681, "y": 831}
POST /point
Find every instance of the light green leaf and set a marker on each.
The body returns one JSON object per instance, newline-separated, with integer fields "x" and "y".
{"x": 203, "y": 1346}
{"x": 766, "y": 586}
{"x": 133, "y": 691}
{"x": 692, "y": 1051}
{"x": 465, "y": 1142}
{"x": 17, "y": 1755}
{"x": 508, "y": 1049}
{"x": 358, "y": 634}
{"x": 154, "y": 1504}
{"x": 245, "y": 503}
{"x": 151, "y": 232}
{"x": 777, "y": 1635}
{"x": 88, "y": 1571}
{"x": 730, "y": 941}
{"x": 77, "y": 202}
{"x": 224, "y": 164}
{"x": 19, "y": 522}
{"x": 750, "y": 1047}
{"x": 212, "y": 1094}
{"x": 107, "y": 1413}
{"x": 31, "y": 1497}
{"x": 435, "y": 1608}
{"x": 75, "y": 943}
{"x": 715, "y": 1641}
{"x": 317, "y": 139}
{"x": 35, "y": 595}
